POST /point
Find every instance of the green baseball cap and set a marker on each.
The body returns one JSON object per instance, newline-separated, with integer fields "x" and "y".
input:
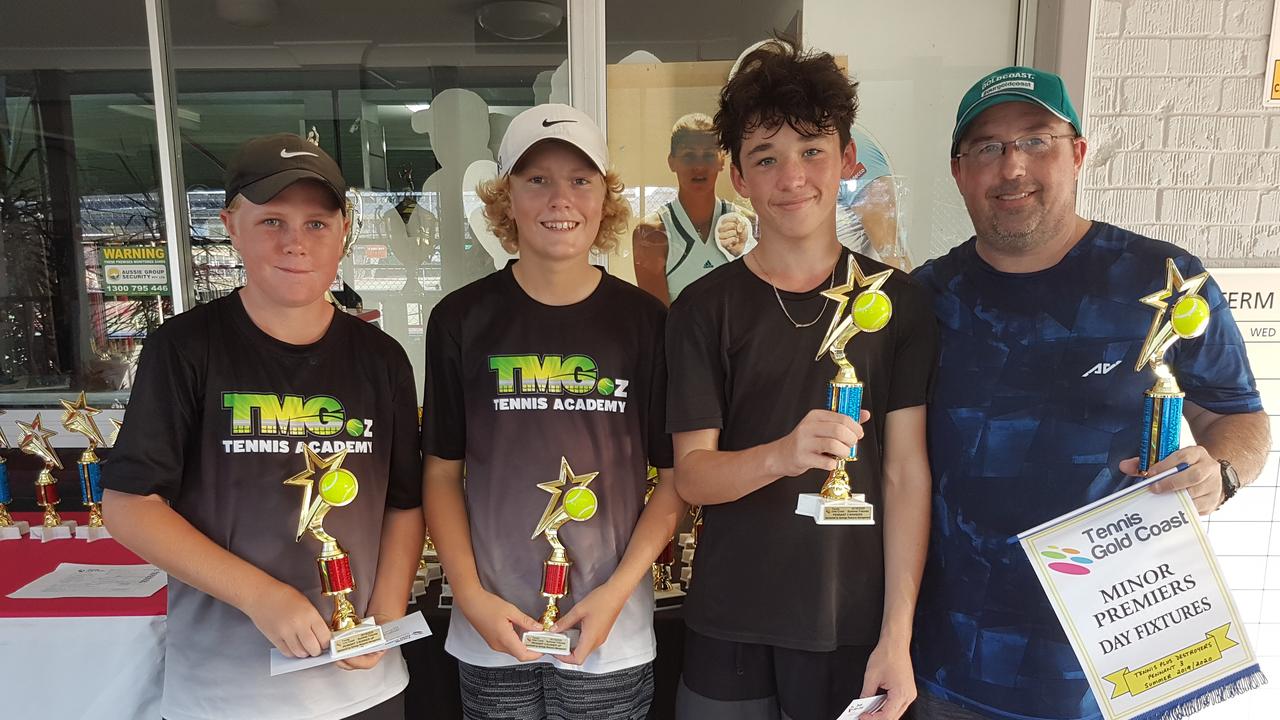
{"x": 1015, "y": 84}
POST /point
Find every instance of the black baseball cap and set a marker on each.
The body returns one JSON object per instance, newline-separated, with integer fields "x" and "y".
{"x": 264, "y": 166}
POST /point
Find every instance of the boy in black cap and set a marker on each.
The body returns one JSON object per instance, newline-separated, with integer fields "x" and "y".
{"x": 231, "y": 400}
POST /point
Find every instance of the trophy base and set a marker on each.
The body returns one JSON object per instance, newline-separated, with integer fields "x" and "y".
{"x": 65, "y": 531}
{"x": 425, "y": 576}
{"x": 686, "y": 574}
{"x": 446, "y": 597}
{"x": 548, "y": 643}
{"x": 854, "y": 511}
{"x": 666, "y": 599}
{"x": 91, "y": 534}
{"x": 358, "y": 639}
{"x": 15, "y": 531}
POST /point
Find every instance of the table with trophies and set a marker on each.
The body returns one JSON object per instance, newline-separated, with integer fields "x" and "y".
{"x": 112, "y": 646}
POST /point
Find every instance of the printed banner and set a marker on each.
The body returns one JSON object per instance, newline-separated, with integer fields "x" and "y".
{"x": 1137, "y": 588}
{"x": 135, "y": 271}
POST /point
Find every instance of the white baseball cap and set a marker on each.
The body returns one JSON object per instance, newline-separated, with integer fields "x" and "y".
{"x": 552, "y": 121}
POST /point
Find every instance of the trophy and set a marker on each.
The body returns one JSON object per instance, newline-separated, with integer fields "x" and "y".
{"x": 1162, "y": 404}
{"x": 428, "y": 567}
{"x": 689, "y": 541}
{"x": 78, "y": 418}
{"x": 115, "y": 434}
{"x": 871, "y": 309}
{"x": 578, "y": 504}
{"x": 10, "y": 529}
{"x": 666, "y": 593}
{"x": 35, "y": 441}
{"x": 337, "y": 488}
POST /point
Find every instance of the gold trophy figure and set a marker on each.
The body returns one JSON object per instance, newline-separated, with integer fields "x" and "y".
{"x": 337, "y": 488}
{"x": 35, "y": 441}
{"x": 577, "y": 504}
{"x": 115, "y": 434}
{"x": 870, "y": 310}
{"x": 1162, "y": 403}
{"x": 78, "y": 418}
{"x": 10, "y": 529}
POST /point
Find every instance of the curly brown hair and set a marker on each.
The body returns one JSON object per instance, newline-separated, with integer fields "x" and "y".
{"x": 777, "y": 84}
{"x": 496, "y": 195}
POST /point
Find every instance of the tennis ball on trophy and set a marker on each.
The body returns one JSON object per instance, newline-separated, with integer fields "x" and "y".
{"x": 1190, "y": 316}
{"x": 338, "y": 487}
{"x": 355, "y": 427}
{"x": 606, "y": 386}
{"x": 580, "y": 503}
{"x": 871, "y": 310}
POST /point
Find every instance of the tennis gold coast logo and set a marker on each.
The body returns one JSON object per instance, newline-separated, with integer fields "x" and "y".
{"x": 555, "y": 382}
{"x": 268, "y": 417}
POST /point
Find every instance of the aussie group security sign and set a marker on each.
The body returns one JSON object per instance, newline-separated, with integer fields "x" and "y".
{"x": 135, "y": 271}
{"x": 1137, "y": 588}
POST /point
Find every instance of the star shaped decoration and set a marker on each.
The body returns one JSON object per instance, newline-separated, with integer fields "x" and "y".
{"x": 35, "y": 441}
{"x": 115, "y": 435}
{"x": 4, "y": 441}
{"x": 855, "y": 280}
{"x": 78, "y": 418}
{"x": 567, "y": 476}
{"x": 316, "y": 466}
{"x": 1161, "y": 334}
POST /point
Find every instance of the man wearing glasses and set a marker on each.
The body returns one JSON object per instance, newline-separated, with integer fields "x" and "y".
{"x": 1036, "y": 408}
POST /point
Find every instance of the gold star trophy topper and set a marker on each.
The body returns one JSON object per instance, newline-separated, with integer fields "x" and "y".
{"x": 35, "y": 441}
{"x": 78, "y": 418}
{"x": 576, "y": 504}
{"x": 337, "y": 487}
{"x": 868, "y": 311}
{"x": 1187, "y": 317}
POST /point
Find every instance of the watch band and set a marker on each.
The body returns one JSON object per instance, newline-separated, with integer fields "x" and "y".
{"x": 1230, "y": 482}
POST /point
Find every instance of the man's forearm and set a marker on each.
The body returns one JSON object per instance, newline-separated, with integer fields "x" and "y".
{"x": 149, "y": 527}
{"x": 1243, "y": 439}
{"x": 403, "y": 532}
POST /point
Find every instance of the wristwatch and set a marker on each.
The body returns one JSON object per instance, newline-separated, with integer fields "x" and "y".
{"x": 1230, "y": 482}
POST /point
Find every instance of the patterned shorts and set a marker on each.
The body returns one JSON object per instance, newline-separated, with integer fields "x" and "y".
{"x": 543, "y": 692}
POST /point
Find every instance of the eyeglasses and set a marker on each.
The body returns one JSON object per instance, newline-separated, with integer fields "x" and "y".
{"x": 1034, "y": 145}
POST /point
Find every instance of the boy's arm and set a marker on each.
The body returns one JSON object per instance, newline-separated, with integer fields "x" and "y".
{"x": 706, "y": 475}
{"x": 599, "y": 609}
{"x": 398, "y": 555}
{"x": 498, "y": 621}
{"x": 149, "y": 527}
{"x": 907, "y": 489}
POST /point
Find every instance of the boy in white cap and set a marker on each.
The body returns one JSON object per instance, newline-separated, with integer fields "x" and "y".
{"x": 539, "y": 377}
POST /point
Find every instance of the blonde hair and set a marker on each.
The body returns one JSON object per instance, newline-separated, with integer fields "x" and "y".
{"x": 496, "y": 195}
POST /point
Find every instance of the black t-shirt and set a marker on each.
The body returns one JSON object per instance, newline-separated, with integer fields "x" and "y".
{"x": 511, "y": 386}
{"x": 763, "y": 573}
{"x": 215, "y": 425}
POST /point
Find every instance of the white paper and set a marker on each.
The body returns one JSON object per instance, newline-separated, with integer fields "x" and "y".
{"x": 860, "y": 706}
{"x": 405, "y": 630}
{"x": 75, "y": 580}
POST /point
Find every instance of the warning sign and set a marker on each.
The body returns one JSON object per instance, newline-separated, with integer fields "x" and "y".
{"x": 135, "y": 271}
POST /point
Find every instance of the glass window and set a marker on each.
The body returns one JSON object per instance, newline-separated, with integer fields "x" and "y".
{"x": 410, "y": 100}
{"x": 82, "y": 271}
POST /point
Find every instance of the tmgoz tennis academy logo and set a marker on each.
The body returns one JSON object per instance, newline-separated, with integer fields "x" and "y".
{"x": 555, "y": 382}
{"x": 260, "y": 419}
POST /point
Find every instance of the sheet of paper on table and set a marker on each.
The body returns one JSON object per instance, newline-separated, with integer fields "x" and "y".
{"x": 861, "y": 706}
{"x": 398, "y": 632}
{"x": 75, "y": 580}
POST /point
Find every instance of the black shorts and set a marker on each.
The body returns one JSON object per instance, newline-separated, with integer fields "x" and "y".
{"x": 724, "y": 679}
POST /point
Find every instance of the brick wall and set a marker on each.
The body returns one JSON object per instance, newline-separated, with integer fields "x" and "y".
{"x": 1181, "y": 148}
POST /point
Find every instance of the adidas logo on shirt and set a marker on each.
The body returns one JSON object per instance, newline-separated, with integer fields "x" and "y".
{"x": 707, "y": 265}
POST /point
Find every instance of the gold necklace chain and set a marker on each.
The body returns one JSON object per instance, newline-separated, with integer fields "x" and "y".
{"x": 783, "y": 305}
